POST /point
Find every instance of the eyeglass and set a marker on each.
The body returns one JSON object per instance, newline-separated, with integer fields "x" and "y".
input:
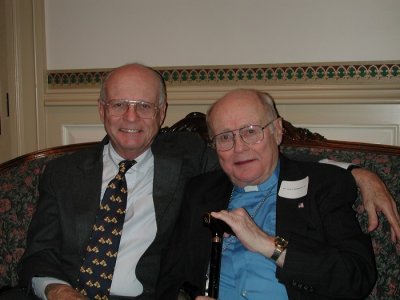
{"x": 145, "y": 110}
{"x": 252, "y": 134}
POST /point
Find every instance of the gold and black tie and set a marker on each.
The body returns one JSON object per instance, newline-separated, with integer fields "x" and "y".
{"x": 97, "y": 269}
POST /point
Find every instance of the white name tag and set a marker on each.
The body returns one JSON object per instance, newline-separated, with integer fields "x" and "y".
{"x": 294, "y": 189}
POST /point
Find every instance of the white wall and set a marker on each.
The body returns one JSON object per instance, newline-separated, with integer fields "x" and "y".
{"x": 83, "y": 34}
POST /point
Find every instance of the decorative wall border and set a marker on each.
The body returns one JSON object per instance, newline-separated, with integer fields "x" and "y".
{"x": 243, "y": 74}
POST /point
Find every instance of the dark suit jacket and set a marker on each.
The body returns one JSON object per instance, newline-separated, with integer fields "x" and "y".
{"x": 69, "y": 198}
{"x": 328, "y": 256}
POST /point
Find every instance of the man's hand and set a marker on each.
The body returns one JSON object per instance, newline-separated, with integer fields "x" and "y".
{"x": 376, "y": 198}
{"x": 57, "y": 291}
{"x": 247, "y": 231}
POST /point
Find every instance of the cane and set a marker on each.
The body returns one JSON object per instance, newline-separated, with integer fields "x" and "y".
{"x": 217, "y": 228}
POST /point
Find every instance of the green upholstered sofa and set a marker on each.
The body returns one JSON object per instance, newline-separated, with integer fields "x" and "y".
{"x": 19, "y": 181}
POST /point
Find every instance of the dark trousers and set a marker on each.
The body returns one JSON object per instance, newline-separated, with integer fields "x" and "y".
{"x": 16, "y": 294}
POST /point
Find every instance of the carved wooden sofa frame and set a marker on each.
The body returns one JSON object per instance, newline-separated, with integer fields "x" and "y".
{"x": 19, "y": 181}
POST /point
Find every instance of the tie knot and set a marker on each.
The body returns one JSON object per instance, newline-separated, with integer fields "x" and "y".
{"x": 125, "y": 165}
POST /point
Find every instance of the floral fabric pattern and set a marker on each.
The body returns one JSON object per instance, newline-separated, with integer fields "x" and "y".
{"x": 18, "y": 197}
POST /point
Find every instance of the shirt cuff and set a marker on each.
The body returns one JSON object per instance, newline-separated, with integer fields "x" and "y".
{"x": 39, "y": 284}
{"x": 340, "y": 164}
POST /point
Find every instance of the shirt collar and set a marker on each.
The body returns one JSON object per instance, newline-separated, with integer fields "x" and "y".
{"x": 263, "y": 186}
{"x": 141, "y": 160}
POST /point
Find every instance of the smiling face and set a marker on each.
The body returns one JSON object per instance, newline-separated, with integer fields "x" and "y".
{"x": 246, "y": 164}
{"x": 129, "y": 134}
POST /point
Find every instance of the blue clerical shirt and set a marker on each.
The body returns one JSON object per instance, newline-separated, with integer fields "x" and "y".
{"x": 245, "y": 274}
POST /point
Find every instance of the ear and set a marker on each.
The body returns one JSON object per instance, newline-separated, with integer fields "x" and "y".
{"x": 163, "y": 113}
{"x": 101, "y": 108}
{"x": 278, "y": 133}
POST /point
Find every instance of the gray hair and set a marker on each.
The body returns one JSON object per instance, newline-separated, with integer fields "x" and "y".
{"x": 269, "y": 104}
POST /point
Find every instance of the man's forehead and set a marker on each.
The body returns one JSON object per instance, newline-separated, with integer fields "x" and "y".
{"x": 236, "y": 121}
{"x": 238, "y": 108}
{"x": 127, "y": 86}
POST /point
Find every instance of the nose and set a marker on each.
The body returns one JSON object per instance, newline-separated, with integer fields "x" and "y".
{"x": 131, "y": 114}
{"x": 238, "y": 144}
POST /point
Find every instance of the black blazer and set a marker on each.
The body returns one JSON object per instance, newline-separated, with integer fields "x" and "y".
{"x": 328, "y": 256}
{"x": 69, "y": 197}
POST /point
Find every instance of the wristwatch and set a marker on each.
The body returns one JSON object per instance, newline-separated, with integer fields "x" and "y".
{"x": 280, "y": 246}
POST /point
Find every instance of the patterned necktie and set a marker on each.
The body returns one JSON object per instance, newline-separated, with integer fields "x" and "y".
{"x": 97, "y": 268}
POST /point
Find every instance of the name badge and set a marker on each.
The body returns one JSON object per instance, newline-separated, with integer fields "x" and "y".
{"x": 294, "y": 189}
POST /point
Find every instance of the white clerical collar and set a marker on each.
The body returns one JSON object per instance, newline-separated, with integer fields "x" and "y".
{"x": 263, "y": 185}
{"x": 251, "y": 188}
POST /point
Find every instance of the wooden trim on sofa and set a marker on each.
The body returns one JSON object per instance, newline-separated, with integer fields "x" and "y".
{"x": 45, "y": 153}
{"x": 344, "y": 145}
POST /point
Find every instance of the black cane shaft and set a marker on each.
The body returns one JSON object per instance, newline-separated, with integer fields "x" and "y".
{"x": 215, "y": 266}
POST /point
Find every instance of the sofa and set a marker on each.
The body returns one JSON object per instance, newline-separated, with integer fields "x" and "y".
{"x": 19, "y": 179}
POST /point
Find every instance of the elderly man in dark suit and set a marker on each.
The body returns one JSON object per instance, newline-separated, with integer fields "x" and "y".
{"x": 294, "y": 232}
{"x": 132, "y": 107}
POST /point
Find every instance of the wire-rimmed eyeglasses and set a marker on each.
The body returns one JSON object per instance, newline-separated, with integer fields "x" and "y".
{"x": 251, "y": 134}
{"x": 118, "y": 107}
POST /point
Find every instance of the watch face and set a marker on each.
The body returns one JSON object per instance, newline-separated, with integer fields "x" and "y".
{"x": 280, "y": 242}
{"x": 280, "y": 246}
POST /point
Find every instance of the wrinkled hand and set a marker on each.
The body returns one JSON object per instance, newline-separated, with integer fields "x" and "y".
{"x": 376, "y": 198}
{"x": 245, "y": 229}
{"x": 57, "y": 291}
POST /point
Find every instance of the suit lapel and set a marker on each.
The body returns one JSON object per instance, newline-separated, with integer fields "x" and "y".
{"x": 217, "y": 197}
{"x": 291, "y": 213}
{"x": 89, "y": 179}
{"x": 167, "y": 169}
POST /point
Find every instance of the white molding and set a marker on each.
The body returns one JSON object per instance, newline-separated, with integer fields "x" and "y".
{"x": 371, "y": 133}
{"x": 379, "y": 134}
{"x": 373, "y": 93}
{"x": 71, "y": 97}
{"x": 354, "y": 112}
{"x": 79, "y": 133}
